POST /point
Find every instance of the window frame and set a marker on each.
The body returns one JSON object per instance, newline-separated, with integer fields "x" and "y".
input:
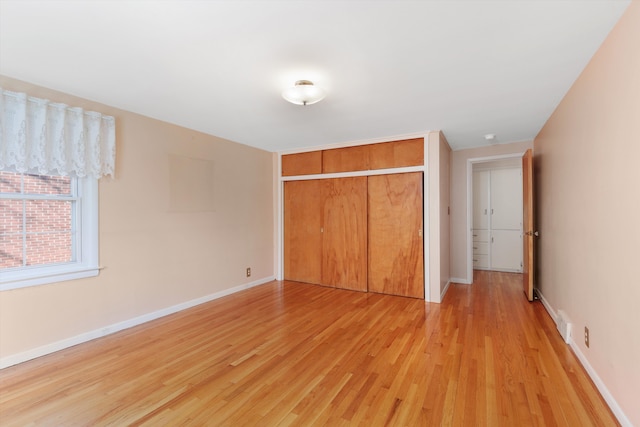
{"x": 86, "y": 263}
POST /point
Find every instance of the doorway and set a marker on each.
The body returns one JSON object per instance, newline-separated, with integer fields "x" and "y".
{"x": 494, "y": 213}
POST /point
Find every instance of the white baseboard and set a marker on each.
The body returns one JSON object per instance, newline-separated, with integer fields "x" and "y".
{"x": 444, "y": 291}
{"x": 602, "y": 388}
{"x": 461, "y": 281}
{"x": 604, "y": 391}
{"x": 547, "y": 306}
{"x": 14, "y": 359}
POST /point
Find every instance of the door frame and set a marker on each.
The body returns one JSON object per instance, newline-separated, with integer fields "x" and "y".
{"x": 469, "y": 237}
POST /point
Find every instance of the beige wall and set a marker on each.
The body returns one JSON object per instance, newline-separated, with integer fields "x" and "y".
{"x": 459, "y": 180}
{"x": 588, "y": 205}
{"x": 159, "y": 247}
{"x": 445, "y": 223}
{"x": 438, "y": 166}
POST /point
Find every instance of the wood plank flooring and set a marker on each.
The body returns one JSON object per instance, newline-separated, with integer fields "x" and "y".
{"x": 287, "y": 353}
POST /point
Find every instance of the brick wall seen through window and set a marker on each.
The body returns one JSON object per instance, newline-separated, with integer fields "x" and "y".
{"x": 36, "y": 220}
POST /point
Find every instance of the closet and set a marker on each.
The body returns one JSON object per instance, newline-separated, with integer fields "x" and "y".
{"x": 497, "y": 219}
{"x": 363, "y": 232}
{"x": 325, "y": 232}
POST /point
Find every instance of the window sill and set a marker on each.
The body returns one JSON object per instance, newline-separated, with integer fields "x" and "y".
{"x": 26, "y": 278}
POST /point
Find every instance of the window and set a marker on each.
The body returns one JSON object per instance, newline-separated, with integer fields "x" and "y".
{"x": 48, "y": 229}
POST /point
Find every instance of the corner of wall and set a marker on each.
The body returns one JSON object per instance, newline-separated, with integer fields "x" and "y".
{"x": 433, "y": 214}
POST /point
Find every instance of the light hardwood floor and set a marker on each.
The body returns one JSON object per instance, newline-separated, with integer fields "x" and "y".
{"x": 294, "y": 354}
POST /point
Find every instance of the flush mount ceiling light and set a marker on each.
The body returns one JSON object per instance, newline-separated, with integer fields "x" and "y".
{"x": 303, "y": 93}
{"x": 490, "y": 136}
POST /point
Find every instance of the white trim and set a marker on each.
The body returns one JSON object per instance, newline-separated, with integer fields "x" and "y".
{"x": 279, "y": 218}
{"x": 496, "y": 157}
{"x": 444, "y": 291}
{"x": 89, "y": 192}
{"x": 60, "y": 274}
{"x": 55, "y": 197}
{"x": 469, "y": 241}
{"x": 547, "y": 306}
{"x": 602, "y": 388}
{"x": 368, "y": 172}
{"x": 460, "y": 281}
{"x": 116, "y": 327}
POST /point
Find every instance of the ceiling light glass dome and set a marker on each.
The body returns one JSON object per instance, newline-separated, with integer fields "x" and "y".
{"x": 303, "y": 93}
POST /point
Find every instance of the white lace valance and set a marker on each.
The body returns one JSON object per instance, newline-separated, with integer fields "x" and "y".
{"x": 38, "y": 136}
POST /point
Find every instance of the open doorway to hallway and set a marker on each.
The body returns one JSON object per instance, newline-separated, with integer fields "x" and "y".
{"x": 495, "y": 214}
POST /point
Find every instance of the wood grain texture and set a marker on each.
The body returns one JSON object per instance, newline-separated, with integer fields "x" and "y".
{"x": 309, "y": 163}
{"x": 294, "y": 354}
{"x": 395, "y": 235}
{"x": 396, "y": 154}
{"x": 302, "y": 230}
{"x": 344, "y": 241}
{"x": 528, "y": 265}
{"x": 346, "y": 159}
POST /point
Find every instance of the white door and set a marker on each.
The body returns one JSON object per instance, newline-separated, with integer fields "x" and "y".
{"x": 481, "y": 200}
{"x": 506, "y": 199}
{"x": 506, "y": 250}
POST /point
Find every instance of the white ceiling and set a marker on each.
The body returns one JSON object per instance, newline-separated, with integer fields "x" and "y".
{"x": 390, "y": 68}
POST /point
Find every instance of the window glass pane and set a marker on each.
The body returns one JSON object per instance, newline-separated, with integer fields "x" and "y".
{"x": 11, "y": 233}
{"x": 48, "y": 215}
{"x": 11, "y": 252}
{"x": 48, "y": 227}
{"x": 10, "y": 182}
{"x": 47, "y": 184}
{"x": 10, "y": 216}
{"x": 48, "y": 248}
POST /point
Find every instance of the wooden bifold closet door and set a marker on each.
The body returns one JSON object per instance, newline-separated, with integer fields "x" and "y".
{"x": 302, "y": 231}
{"x": 361, "y": 233}
{"x": 325, "y": 232}
{"x": 344, "y": 237}
{"x": 396, "y": 261}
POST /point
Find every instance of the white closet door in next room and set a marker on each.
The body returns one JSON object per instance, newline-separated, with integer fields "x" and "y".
{"x": 506, "y": 219}
{"x": 506, "y": 199}
{"x": 506, "y": 250}
{"x": 481, "y": 200}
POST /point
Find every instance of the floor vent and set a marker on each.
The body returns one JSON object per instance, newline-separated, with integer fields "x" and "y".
{"x": 564, "y": 326}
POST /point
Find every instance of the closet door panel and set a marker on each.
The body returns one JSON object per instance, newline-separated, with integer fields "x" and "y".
{"x": 395, "y": 235}
{"x": 302, "y": 231}
{"x": 481, "y": 200}
{"x": 346, "y": 159}
{"x": 506, "y": 250}
{"x": 506, "y": 199}
{"x": 396, "y": 154}
{"x": 344, "y": 240}
{"x": 302, "y": 163}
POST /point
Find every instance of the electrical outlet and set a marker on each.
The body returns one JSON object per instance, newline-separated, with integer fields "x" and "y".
{"x": 586, "y": 336}
{"x": 248, "y": 271}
